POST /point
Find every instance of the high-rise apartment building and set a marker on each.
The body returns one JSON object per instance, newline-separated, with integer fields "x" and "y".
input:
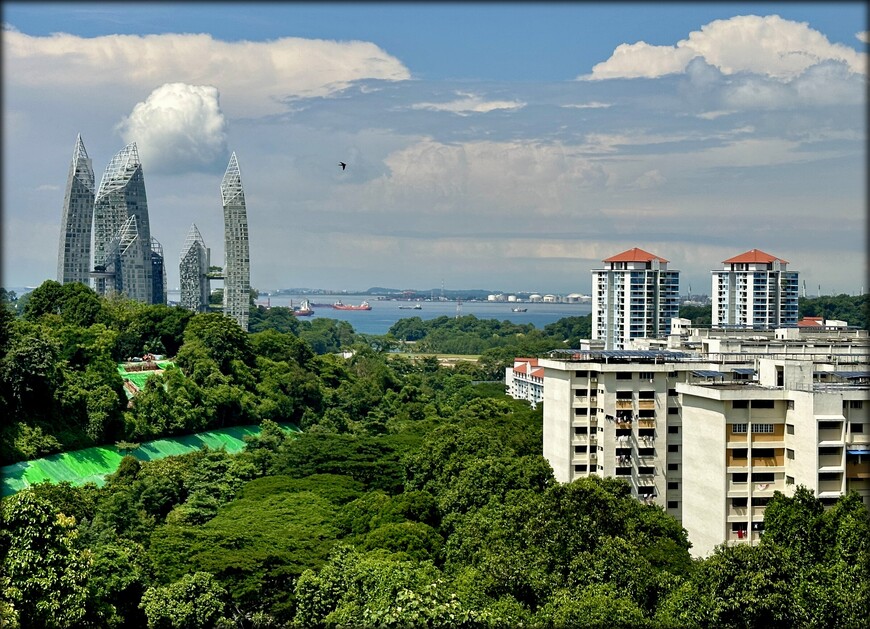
{"x": 74, "y": 254}
{"x": 798, "y": 423}
{"x": 123, "y": 258}
{"x": 712, "y": 428}
{"x": 237, "y": 264}
{"x": 633, "y": 296}
{"x": 193, "y": 271}
{"x": 754, "y": 290}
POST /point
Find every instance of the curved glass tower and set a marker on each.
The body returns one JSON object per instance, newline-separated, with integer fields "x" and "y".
{"x": 193, "y": 272}
{"x": 121, "y": 196}
{"x": 237, "y": 264}
{"x": 74, "y": 253}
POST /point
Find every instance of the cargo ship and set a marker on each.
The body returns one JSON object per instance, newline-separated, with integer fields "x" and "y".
{"x": 303, "y": 310}
{"x": 340, "y": 306}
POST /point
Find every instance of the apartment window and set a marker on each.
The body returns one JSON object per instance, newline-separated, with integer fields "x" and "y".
{"x": 673, "y": 504}
{"x": 740, "y": 404}
{"x": 580, "y": 374}
{"x": 623, "y": 471}
{"x": 646, "y": 395}
{"x": 856, "y": 427}
{"x": 580, "y": 430}
{"x": 581, "y": 411}
{"x": 856, "y": 404}
{"x": 829, "y": 476}
{"x": 789, "y": 480}
{"x": 623, "y": 375}
{"x": 740, "y": 477}
{"x": 646, "y": 451}
{"x": 790, "y": 405}
{"x": 762, "y": 428}
{"x": 673, "y": 410}
{"x": 673, "y": 448}
{"x": 739, "y": 453}
{"x": 672, "y": 392}
{"x": 579, "y": 449}
{"x": 739, "y": 503}
{"x": 673, "y": 467}
{"x": 829, "y": 425}
{"x": 829, "y": 450}
{"x": 789, "y": 429}
{"x": 580, "y": 468}
{"x": 762, "y": 452}
{"x": 646, "y": 471}
{"x": 762, "y": 404}
{"x": 672, "y": 484}
{"x": 623, "y": 395}
{"x": 789, "y": 454}
{"x": 673, "y": 430}
{"x": 763, "y": 477}
{"x": 760, "y": 501}
{"x": 646, "y": 375}
{"x": 738, "y": 428}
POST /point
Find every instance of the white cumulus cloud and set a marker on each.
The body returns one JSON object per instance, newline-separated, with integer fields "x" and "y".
{"x": 769, "y": 45}
{"x": 253, "y": 77}
{"x": 863, "y": 36}
{"x": 178, "y": 128}
{"x": 470, "y": 104}
{"x": 494, "y": 177}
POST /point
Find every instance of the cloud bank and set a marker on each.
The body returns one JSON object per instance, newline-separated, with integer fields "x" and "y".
{"x": 469, "y": 104}
{"x": 178, "y": 128}
{"x": 767, "y": 45}
{"x": 254, "y": 77}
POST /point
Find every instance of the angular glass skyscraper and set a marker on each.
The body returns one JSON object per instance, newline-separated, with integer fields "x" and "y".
{"x": 122, "y": 249}
{"x": 74, "y": 253}
{"x": 193, "y": 272}
{"x": 237, "y": 264}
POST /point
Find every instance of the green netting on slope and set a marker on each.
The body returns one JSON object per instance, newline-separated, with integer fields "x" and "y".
{"x": 91, "y": 465}
{"x": 139, "y": 379}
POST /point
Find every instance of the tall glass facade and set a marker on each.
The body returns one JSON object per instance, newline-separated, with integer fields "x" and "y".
{"x": 237, "y": 264}
{"x": 74, "y": 254}
{"x": 193, "y": 272}
{"x": 121, "y": 196}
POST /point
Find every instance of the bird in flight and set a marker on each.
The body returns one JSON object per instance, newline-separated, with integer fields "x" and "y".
{"x": 343, "y": 165}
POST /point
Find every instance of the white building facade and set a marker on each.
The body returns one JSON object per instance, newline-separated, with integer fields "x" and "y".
{"x": 525, "y": 381}
{"x": 754, "y": 290}
{"x": 633, "y": 296}
{"x": 711, "y": 430}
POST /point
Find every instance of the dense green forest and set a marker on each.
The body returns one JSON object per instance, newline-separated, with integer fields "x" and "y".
{"x": 412, "y": 498}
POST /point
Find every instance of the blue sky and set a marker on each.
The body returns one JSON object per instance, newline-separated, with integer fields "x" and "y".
{"x": 504, "y": 146}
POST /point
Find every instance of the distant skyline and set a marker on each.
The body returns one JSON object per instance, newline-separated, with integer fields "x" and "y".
{"x": 508, "y": 147}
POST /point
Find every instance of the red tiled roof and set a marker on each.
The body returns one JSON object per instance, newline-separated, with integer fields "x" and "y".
{"x": 634, "y": 255}
{"x": 811, "y": 322}
{"x": 538, "y": 373}
{"x": 755, "y": 255}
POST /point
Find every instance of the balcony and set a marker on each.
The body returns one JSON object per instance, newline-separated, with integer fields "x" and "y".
{"x": 777, "y": 460}
{"x": 646, "y": 423}
{"x": 832, "y": 436}
{"x": 646, "y": 405}
{"x": 624, "y": 405}
{"x": 831, "y": 486}
{"x": 831, "y": 462}
{"x": 858, "y": 470}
